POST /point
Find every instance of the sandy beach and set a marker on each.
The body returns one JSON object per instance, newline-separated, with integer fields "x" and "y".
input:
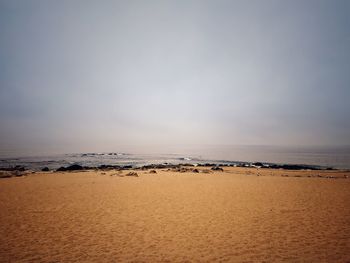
{"x": 233, "y": 216}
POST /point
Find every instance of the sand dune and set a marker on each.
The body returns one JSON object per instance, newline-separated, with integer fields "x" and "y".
{"x": 223, "y": 216}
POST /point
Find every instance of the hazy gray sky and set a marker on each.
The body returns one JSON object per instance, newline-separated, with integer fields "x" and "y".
{"x": 103, "y": 75}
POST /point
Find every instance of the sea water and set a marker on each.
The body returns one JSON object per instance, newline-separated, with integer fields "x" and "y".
{"x": 336, "y": 157}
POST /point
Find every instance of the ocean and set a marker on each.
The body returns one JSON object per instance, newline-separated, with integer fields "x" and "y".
{"x": 335, "y": 157}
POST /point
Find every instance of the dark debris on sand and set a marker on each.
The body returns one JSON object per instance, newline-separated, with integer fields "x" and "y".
{"x": 74, "y": 167}
{"x": 132, "y": 174}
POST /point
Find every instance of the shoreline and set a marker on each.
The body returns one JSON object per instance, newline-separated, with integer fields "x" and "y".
{"x": 283, "y": 171}
{"x": 241, "y": 157}
{"x": 15, "y": 164}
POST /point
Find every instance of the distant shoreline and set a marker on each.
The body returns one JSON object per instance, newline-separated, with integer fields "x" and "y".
{"x": 257, "y": 169}
{"x": 288, "y": 160}
{"x": 259, "y": 165}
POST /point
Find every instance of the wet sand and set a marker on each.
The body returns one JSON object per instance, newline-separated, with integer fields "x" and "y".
{"x": 234, "y": 216}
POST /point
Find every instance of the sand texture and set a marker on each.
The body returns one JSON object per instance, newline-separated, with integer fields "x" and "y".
{"x": 167, "y": 216}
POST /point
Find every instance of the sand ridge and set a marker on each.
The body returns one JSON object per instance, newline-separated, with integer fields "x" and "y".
{"x": 231, "y": 216}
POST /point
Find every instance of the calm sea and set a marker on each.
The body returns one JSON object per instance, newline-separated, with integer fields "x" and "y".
{"x": 336, "y": 157}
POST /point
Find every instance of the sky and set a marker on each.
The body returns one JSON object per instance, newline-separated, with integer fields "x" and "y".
{"x": 106, "y": 75}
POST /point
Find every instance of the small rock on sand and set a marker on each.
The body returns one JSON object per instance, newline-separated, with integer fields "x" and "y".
{"x": 217, "y": 168}
{"x": 132, "y": 174}
{"x": 74, "y": 167}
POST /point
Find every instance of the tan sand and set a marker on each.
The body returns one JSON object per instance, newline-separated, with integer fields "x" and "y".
{"x": 223, "y": 216}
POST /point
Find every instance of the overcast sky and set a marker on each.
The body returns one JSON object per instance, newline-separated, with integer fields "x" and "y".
{"x": 104, "y": 75}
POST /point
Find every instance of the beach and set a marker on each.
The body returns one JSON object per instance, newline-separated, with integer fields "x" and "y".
{"x": 234, "y": 215}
